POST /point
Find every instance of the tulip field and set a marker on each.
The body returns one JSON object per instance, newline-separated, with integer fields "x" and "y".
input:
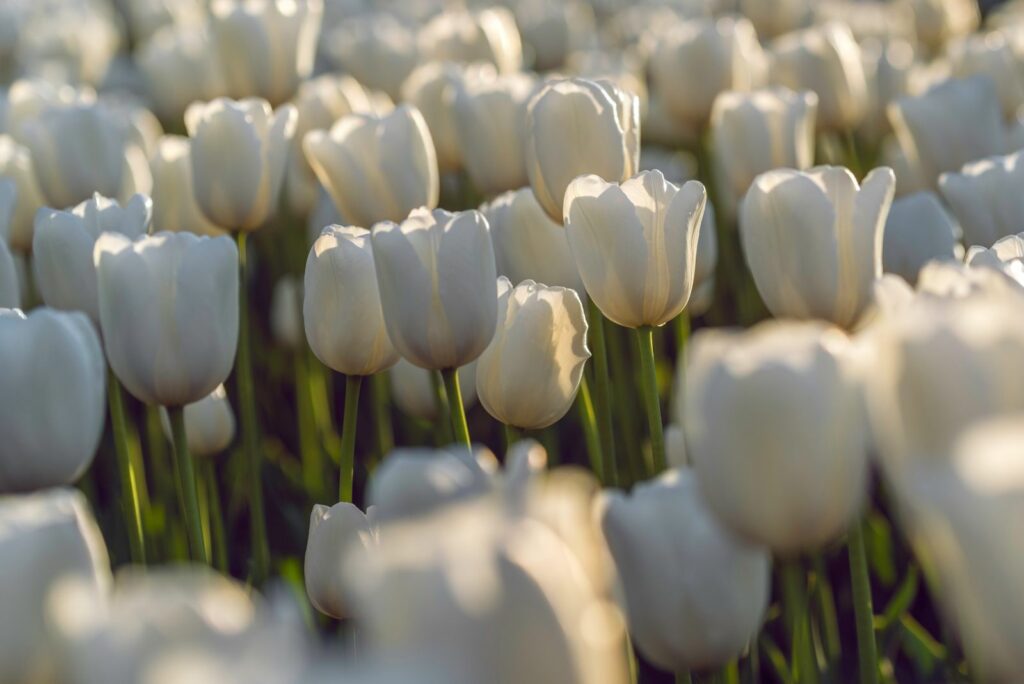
{"x": 511, "y": 341}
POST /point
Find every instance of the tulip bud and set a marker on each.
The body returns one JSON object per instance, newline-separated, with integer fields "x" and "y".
{"x": 795, "y": 475}
{"x": 487, "y": 35}
{"x": 756, "y": 132}
{"x": 180, "y": 66}
{"x": 437, "y": 277}
{"x": 773, "y": 18}
{"x": 698, "y": 619}
{"x": 985, "y": 199}
{"x": 46, "y": 539}
{"x": 169, "y": 313}
{"x": 376, "y": 168}
{"x": 342, "y": 306}
{"x": 832, "y": 251}
{"x": 286, "y": 313}
{"x": 63, "y": 244}
{"x": 579, "y": 109}
{"x": 335, "y": 534}
{"x": 414, "y": 392}
{"x": 239, "y": 151}
{"x": 635, "y": 244}
{"x": 377, "y": 49}
{"x": 16, "y": 168}
{"x": 286, "y": 34}
{"x": 694, "y": 61}
{"x": 174, "y": 203}
{"x": 917, "y": 231}
{"x": 209, "y": 424}
{"x": 990, "y": 55}
{"x": 489, "y": 122}
{"x": 826, "y": 60}
{"x": 52, "y": 389}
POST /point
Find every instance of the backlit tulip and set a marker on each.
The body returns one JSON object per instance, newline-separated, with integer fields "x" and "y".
{"x": 1005, "y": 255}
{"x": 16, "y": 167}
{"x": 635, "y": 244}
{"x": 795, "y": 475}
{"x": 342, "y": 306}
{"x": 169, "y": 313}
{"x": 696, "y": 60}
{"x": 52, "y": 390}
{"x": 813, "y": 240}
{"x": 63, "y": 244}
{"x": 286, "y": 313}
{"x": 180, "y": 66}
{"x": 239, "y": 150}
{"x": 209, "y": 424}
{"x": 706, "y": 265}
{"x": 529, "y": 374}
{"x": 824, "y": 59}
{"x": 487, "y": 35}
{"x": 578, "y": 109}
{"x": 46, "y": 539}
{"x": 985, "y": 199}
{"x": 174, "y": 202}
{"x": 376, "y": 168}
{"x": 377, "y": 48}
{"x": 551, "y": 31}
{"x": 414, "y": 393}
{"x": 891, "y": 71}
{"x": 700, "y": 617}
{"x": 266, "y": 48}
{"x": 990, "y": 55}
{"x": 437, "y": 278}
{"x": 918, "y": 230}
{"x": 490, "y": 118}
{"x": 335, "y": 534}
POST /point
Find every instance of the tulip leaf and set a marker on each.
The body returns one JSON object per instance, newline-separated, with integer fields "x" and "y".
{"x": 878, "y": 542}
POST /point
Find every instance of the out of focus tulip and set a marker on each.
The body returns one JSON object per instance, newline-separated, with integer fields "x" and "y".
{"x": 10, "y": 287}
{"x": 209, "y": 424}
{"x": 529, "y": 374}
{"x": 694, "y": 61}
{"x": 794, "y": 477}
{"x": 937, "y": 21}
{"x": 813, "y": 240}
{"x": 551, "y": 31}
{"x": 700, "y": 618}
{"x": 335, "y": 534}
{"x": 437, "y": 279}
{"x": 991, "y": 55}
{"x": 490, "y": 118}
{"x": 376, "y": 168}
{"x": 826, "y": 60}
{"x": 414, "y": 393}
{"x": 16, "y": 167}
{"x": 707, "y": 264}
{"x": 239, "y": 150}
{"x": 46, "y": 539}
{"x": 985, "y": 198}
{"x": 1003, "y": 254}
{"x": 528, "y": 244}
{"x": 773, "y": 18}
{"x": 286, "y": 313}
{"x": 180, "y": 67}
{"x": 889, "y": 67}
{"x": 635, "y": 244}
{"x": 52, "y": 390}
{"x": 487, "y": 35}
{"x": 27, "y": 98}
{"x": 63, "y": 243}
{"x": 377, "y": 49}
{"x": 342, "y": 307}
{"x": 578, "y": 109}
{"x": 169, "y": 313}
{"x": 174, "y": 202}
{"x": 918, "y": 230}
{"x": 675, "y": 446}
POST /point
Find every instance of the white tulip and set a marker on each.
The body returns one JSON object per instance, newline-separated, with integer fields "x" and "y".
{"x": 487, "y": 35}
{"x": 813, "y": 240}
{"x": 180, "y": 67}
{"x": 937, "y": 21}
{"x": 694, "y": 61}
{"x": 342, "y": 306}
{"x": 174, "y": 202}
{"x": 985, "y": 197}
{"x": 239, "y": 150}
{"x": 437, "y": 281}
{"x": 918, "y": 230}
{"x": 52, "y": 390}
{"x": 27, "y": 98}
{"x": 377, "y": 49}
{"x": 16, "y": 168}
{"x": 169, "y": 313}
{"x": 990, "y": 55}
{"x": 696, "y": 594}
{"x": 891, "y": 71}
{"x": 578, "y": 109}
{"x": 773, "y": 18}
{"x": 794, "y": 477}
{"x": 63, "y": 243}
{"x": 286, "y": 313}
{"x": 414, "y": 393}
{"x": 376, "y": 168}
{"x": 10, "y": 288}
{"x": 551, "y": 31}
{"x": 1006, "y": 255}
{"x": 335, "y": 534}
{"x": 46, "y": 539}
{"x": 209, "y": 424}
{"x": 707, "y": 263}
{"x": 635, "y": 244}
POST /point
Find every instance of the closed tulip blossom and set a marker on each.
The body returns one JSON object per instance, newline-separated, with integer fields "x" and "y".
{"x": 530, "y": 372}
{"x": 52, "y": 389}
{"x": 377, "y": 48}
{"x": 376, "y": 168}
{"x": 991, "y": 55}
{"x": 794, "y": 477}
{"x": 414, "y": 393}
{"x": 984, "y": 198}
{"x": 487, "y": 35}
{"x": 209, "y": 424}
{"x": 174, "y": 202}
{"x": 707, "y": 264}
{"x": 579, "y": 109}
{"x": 696, "y": 60}
{"x": 286, "y": 313}
{"x": 239, "y": 150}
{"x": 266, "y": 48}
{"x": 813, "y": 240}
{"x": 918, "y": 230}
{"x": 696, "y": 593}
{"x": 1005, "y": 256}
{"x": 63, "y": 244}
{"x": 336, "y": 533}
{"x": 16, "y": 167}
{"x": 180, "y": 66}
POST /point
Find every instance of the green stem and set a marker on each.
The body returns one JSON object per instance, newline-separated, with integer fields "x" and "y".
{"x": 602, "y": 392}
{"x": 863, "y": 611}
{"x": 510, "y": 437}
{"x": 309, "y": 446}
{"x": 348, "y": 437}
{"x": 827, "y": 608}
{"x": 652, "y": 404}
{"x": 591, "y": 434}
{"x": 184, "y": 468}
{"x": 794, "y": 590}
{"x": 455, "y": 409}
{"x": 380, "y": 400}
{"x": 250, "y": 424}
{"x": 442, "y": 427}
{"x": 682, "y": 333}
{"x": 218, "y": 538}
{"x": 129, "y": 483}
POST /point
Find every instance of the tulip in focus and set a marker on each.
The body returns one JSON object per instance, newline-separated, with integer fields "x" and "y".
{"x": 985, "y": 197}
{"x": 918, "y": 230}
{"x": 336, "y": 533}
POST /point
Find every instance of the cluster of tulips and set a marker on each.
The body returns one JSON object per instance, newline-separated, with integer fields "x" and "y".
{"x": 737, "y": 286}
